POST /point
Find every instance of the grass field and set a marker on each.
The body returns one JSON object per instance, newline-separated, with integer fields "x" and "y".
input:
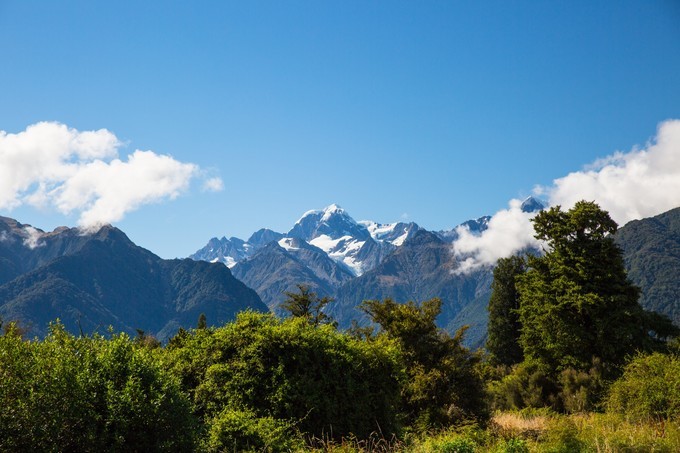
{"x": 537, "y": 431}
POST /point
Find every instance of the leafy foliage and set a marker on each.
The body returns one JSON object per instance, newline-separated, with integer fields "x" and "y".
{"x": 326, "y": 382}
{"x": 576, "y": 302}
{"x": 443, "y": 385}
{"x": 648, "y": 388}
{"x": 241, "y": 430}
{"x": 306, "y": 304}
{"x": 88, "y": 394}
{"x": 504, "y": 326}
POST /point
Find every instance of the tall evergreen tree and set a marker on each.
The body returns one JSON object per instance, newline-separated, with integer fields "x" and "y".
{"x": 504, "y": 326}
{"x": 576, "y": 302}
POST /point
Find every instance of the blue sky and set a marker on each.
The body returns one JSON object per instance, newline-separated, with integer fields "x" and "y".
{"x": 433, "y": 111}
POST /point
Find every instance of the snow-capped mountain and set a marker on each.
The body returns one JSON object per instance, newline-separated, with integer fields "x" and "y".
{"x": 356, "y": 246}
{"x": 234, "y": 250}
{"x": 359, "y": 246}
{"x": 394, "y": 233}
{"x": 332, "y": 221}
{"x": 352, "y": 260}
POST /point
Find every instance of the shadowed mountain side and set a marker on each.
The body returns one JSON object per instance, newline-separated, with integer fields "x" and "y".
{"x": 651, "y": 251}
{"x": 108, "y": 280}
{"x": 419, "y": 270}
{"x": 275, "y": 269}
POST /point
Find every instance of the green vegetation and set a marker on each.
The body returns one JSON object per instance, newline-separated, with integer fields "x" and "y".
{"x": 443, "y": 386}
{"x": 576, "y": 302}
{"x": 574, "y": 364}
{"x": 320, "y": 381}
{"x": 88, "y": 394}
{"x": 579, "y": 316}
{"x": 306, "y": 304}
{"x": 504, "y": 326}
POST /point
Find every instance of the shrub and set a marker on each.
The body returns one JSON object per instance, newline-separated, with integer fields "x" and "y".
{"x": 332, "y": 385}
{"x": 527, "y": 385}
{"x": 648, "y": 388}
{"x": 234, "y": 430}
{"x": 88, "y": 394}
{"x": 455, "y": 445}
{"x": 444, "y": 384}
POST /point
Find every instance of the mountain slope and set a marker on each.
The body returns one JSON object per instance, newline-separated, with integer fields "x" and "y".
{"x": 279, "y": 266}
{"x": 91, "y": 281}
{"x": 422, "y": 268}
{"x": 651, "y": 250}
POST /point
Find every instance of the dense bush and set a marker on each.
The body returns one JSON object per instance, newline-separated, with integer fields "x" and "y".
{"x": 531, "y": 385}
{"x": 649, "y": 388}
{"x": 88, "y": 394}
{"x": 242, "y": 431}
{"x": 327, "y": 383}
{"x": 444, "y": 385}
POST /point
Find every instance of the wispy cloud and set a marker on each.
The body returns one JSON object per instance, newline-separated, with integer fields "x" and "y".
{"x": 640, "y": 183}
{"x": 52, "y": 165}
{"x": 213, "y": 184}
{"x": 32, "y": 237}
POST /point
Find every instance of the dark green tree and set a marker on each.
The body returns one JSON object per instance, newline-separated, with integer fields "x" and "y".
{"x": 202, "y": 322}
{"x": 576, "y": 302}
{"x": 306, "y": 304}
{"x": 443, "y": 386}
{"x": 504, "y": 326}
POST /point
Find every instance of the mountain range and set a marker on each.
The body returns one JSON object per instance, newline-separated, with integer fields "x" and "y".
{"x": 351, "y": 261}
{"x": 92, "y": 280}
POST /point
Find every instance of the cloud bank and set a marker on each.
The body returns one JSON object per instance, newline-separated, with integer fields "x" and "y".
{"x": 640, "y": 183}
{"x": 509, "y": 231}
{"x": 52, "y": 165}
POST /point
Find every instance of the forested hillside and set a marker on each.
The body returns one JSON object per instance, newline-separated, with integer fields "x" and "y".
{"x": 651, "y": 250}
{"x": 95, "y": 280}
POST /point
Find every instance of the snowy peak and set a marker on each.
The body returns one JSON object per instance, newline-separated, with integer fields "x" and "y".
{"x": 474, "y": 226}
{"x": 332, "y": 221}
{"x": 263, "y": 237}
{"x": 532, "y": 205}
{"x": 393, "y": 233}
{"x": 228, "y": 251}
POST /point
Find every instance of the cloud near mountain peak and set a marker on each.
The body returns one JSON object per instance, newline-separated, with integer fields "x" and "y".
{"x": 641, "y": 183}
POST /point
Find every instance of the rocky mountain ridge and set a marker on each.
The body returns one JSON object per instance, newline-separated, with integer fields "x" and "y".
{"x": 351, "y": 261}
{"x": 92, "y": 280}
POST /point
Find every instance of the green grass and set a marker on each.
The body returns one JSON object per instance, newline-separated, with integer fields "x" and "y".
{"x": 540, "y": 431}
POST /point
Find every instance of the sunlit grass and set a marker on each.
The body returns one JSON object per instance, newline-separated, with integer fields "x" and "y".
{"x": 539, "y": 431}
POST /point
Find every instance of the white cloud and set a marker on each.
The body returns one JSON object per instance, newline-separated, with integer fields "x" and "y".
{"x": 640, "y": 183}
{"x": 213, "y": 185}
{"x": 32, "y": 237}
{"x": 509, "y": 231}
{"x": 50, "y": 164}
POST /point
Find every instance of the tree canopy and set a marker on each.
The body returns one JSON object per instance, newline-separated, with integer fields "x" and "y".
{"x": 504, "y": 326}
{"x": 576, "y": 302}
{"x": 306, "y": 304}
{"x": 443, "y": 386}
